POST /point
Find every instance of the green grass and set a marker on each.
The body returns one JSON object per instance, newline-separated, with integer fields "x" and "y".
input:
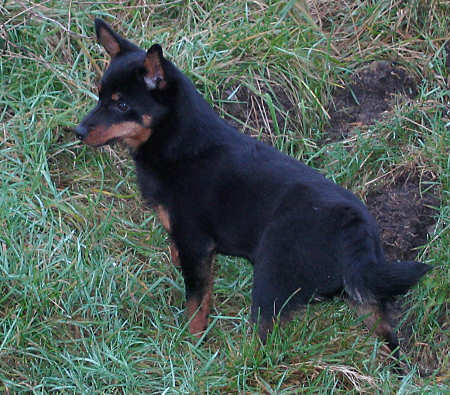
{"x": 89, "y": 301}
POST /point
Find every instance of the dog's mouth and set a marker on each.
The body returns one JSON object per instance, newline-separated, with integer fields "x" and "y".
{"x": 81, "y": 132}
{"x": 84, "y": 135}
{"x": 131, "y": 133}
{"x": 110, "y": 142}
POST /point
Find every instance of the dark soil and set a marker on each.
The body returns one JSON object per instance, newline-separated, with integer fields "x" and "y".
{"x": 251, "y": 108}
{"x": 404, "y": 215}
{"x": 367, "y": 97}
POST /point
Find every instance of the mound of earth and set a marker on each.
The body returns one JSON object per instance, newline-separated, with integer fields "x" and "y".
{"x": 404, "y": 215}
{"x": 367, "y": 97}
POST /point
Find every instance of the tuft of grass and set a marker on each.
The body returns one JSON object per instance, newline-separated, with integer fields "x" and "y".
{"x": 89, "y": 301}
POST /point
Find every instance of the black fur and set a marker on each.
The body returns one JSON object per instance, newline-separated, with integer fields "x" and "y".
{"x": 227, "y": 193}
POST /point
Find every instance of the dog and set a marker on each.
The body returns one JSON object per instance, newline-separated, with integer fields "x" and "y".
{"x": 217, "y": 191}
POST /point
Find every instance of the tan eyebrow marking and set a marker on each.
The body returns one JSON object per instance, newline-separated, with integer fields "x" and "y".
{"x": 115, "y": 96}
{"x": 146, "y": 120}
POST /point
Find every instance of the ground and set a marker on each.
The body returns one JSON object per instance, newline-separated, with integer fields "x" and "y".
{"x": 405, "y": 215}
{"x": 368, "y": 96}
{"x": 89, "y": 301}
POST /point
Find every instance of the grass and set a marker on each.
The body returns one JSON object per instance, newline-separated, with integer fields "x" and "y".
{"x": 89, "y": 301}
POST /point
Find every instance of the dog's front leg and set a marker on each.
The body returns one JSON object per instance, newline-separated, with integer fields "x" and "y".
{"x": 198, "y": 279}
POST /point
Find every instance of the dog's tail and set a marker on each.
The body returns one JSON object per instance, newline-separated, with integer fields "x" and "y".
{"x": 370, "y": 283}
{"x": 366, "y": 275}
{"x": 371, "y": 289}
{"x": 374, "y": 281}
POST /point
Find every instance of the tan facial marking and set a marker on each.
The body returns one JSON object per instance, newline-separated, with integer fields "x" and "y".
{"x": 132, "y": 133}
{"x": 146, "y": 120}
{"x": 115, "y": 96}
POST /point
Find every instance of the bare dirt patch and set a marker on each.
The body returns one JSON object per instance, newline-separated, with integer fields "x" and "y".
{"x": 368, "y": 97}
{"x": 404, "y": 215}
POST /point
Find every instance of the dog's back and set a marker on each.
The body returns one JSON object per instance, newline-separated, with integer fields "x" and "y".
{"x": 218, "y": 191}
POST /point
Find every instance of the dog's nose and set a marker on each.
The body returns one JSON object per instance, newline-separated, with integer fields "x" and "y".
{"x": 81, "y": 131}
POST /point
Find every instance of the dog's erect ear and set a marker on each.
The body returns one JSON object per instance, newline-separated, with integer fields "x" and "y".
{"x": 155, "y": 77}
{"x": 111, "y": 41}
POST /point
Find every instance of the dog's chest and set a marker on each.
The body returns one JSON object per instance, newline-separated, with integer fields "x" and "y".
{"x": 149, "y": 184}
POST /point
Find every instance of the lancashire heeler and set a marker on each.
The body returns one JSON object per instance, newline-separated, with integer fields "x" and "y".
{"x": 218, "y": 191}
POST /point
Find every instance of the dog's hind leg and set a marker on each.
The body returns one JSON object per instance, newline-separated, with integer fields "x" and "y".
{"x": 273, "y": 297}
{"x": 279, "y": 287}
{"x": 369, "y": 282}
{"x": 292, "y": 265}
{"x": 379, "y": 318}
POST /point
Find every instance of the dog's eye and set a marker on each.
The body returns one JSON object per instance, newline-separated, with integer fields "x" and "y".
{"x": 122, "y": 106}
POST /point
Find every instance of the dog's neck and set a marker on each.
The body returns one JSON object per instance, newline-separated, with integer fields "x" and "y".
{"x": 189, "y": 129}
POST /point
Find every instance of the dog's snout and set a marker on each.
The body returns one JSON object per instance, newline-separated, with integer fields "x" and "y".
{"x": 81, "y": 131}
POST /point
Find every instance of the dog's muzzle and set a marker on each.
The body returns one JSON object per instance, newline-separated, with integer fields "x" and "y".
{"x": 81, "y": 132}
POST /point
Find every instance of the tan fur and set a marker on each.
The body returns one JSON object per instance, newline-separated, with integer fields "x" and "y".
{"x": 375, "y": 319}
{"x": 132, "y": 133}
{"x": 155, "y": 72}
{"x": 109, "y": 42}
{"x": 199, "y": 310}
{"x": 146, "y": 120}
{"x": 164, "y": 218}
{"x": 174, "y": 254}
{"x": 115, "y": 96}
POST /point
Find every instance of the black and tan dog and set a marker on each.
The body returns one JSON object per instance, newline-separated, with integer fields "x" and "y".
{"x": 219, "y": 191}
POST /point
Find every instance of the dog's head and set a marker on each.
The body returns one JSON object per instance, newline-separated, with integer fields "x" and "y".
{"x": 129, "y": 91}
